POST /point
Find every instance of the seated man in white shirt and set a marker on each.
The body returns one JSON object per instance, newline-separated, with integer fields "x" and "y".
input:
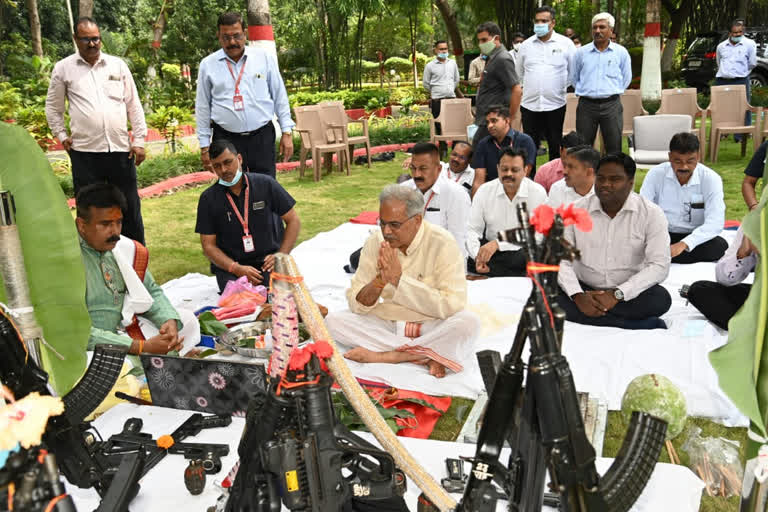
{"x": 578, "y": 181}
{"x": 494, "y": 209}
{"x": 719, "y": 301}
{"x": 691, "y": 196}
{"x": 457, "y": 169}
{"x": 446, "y": 204}
{"x": 407, "y": 298}
{"x": 623, "y": 259}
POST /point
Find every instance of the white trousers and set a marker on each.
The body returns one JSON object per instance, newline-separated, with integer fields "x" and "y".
{"x": 448, "y": 342}
{"x": 190, "y": 331}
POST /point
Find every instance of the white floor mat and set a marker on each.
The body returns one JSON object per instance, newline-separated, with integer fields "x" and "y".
{"x": 604, "y": 360}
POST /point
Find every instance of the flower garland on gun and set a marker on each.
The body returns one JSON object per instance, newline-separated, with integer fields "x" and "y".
{"x": 294, "y": 448}
{"x": 542, "y": 422}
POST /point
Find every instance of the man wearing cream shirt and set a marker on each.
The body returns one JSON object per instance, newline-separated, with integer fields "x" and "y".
{"x": 407, "y": 298}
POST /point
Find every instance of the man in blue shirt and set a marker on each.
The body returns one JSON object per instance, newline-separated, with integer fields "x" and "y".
{"x": 736, "y": 57}
{"x": 488, "y": 150}
{"x": 752, "y": 173}
{"x": 691, "y": 196}
{"x": 600, "y": 73}
{"x": 239, "y": 91}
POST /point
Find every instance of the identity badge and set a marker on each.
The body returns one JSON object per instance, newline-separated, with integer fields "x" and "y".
{"x": 237, "y": 100}
{"x": 248, "y": 243}
{"x": 259, "y": 205}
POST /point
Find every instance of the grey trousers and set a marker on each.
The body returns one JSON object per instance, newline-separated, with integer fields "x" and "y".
{"x": 607, "y": 114}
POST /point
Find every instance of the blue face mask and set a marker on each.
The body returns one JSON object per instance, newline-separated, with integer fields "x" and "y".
{"x": 234, "y": 180}
{"x": 484, "y": 57}
{"x": 736, "y": 39}
{"x": 541, "y": 29}
{"x": 442, "y": 55}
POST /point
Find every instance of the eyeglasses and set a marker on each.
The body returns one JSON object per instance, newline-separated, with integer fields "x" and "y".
{"x": 236, "y": 37}
{"x": 394, "y": 225}
{"x": 460, "y": 157}
{"x": 687, "y": 212}
{"x": 87, "y": 40}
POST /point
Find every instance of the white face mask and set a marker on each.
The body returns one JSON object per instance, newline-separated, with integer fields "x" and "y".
{"x": 516, "y": 46}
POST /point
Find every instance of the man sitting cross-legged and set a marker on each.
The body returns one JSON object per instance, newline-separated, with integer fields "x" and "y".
{"x": 623, "y": 258}
{"x": 494, "y": 209}
{"x": 691, "y": 195}
{"x": 407, "y": 298}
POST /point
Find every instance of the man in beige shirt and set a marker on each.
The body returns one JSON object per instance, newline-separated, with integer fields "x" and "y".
{"x": 102, "y": 99}
{"x": 407, "y": 298}
{"x": 623, "y": 258}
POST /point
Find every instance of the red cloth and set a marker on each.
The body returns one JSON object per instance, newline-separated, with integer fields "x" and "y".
{"x": 732, "y": 224}
{"x": 365, "y": 218}
{"x": 422, "y": 425}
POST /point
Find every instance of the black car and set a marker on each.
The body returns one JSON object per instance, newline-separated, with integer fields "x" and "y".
{"x": 700, "y": 63}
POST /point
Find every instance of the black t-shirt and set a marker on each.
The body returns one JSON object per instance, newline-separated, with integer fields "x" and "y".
{"x": 499, "y": 76}
{"x": 488, "y": 152}
{"x": 757, "y": 164}
{"x": 268, "y": 202}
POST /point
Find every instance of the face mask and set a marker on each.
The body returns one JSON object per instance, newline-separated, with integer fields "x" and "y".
{"x": 487, "y": 47}
{"x": 442, "y": 55}
{"x": 541, "y": 29}
{"x": 736, "y": 39}
{"x": 516, "y": 46}
{"x": 484, "y": 57}
{"x": 234, "y": 180}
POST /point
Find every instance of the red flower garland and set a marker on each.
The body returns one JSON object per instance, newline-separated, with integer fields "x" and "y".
{"x": 544, "y": 216}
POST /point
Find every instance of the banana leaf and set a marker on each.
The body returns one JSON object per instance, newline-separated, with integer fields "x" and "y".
{"x": 51, "y": 255}
{"x": 742, "y": 364}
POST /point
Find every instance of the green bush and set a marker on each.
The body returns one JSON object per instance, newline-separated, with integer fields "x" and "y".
{"x": 351, "y": 99}
{"x": 636, "y": 56}
{"x": 759, "y": 97}
{"x": 400, "y": 65}
{"x": 10, "y": 101}
{"x": 418, "y": 95}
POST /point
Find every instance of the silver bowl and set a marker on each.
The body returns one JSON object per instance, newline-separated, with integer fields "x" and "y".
{"x": 249, "y": 330}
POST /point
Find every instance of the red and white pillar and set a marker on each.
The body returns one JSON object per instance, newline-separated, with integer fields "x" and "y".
{"x": 650, "y": 78}
{"x": 260, "y": 33}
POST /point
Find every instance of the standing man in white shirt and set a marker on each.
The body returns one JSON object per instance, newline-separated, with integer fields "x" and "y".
{"x": 615, "y": 283}
{"x": 691, "y": 195}
{"x": 446, "y": 204}
{"x": 494, "y": 209}
{"x": 736, "y": 57}
{"x": 239, "y": 92}
{"x": 543, "y": 64}
{"x": 441, "y": 78}
{"x": 102, "y": 98}
{"x": 578, "y": 180}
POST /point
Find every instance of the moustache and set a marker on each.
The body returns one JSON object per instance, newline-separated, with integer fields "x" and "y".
{"x": 115, "y": 239}
{"x": 683, "y": 170}
{"x": 418, "y": 179}
{"x": 507, "y": 180}
{"x": 233, "y": 47}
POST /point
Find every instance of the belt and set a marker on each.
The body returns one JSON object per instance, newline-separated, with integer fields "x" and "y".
{"x": 240, "y": 134}
{"x": 600, "y": 100}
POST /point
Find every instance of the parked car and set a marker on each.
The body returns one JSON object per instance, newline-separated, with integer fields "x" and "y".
{"x": 700, "y": 64}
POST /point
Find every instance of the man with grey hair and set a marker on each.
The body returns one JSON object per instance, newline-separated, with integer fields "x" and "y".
{"x": 407, "y": 298}
{"x": 600, "y": 73}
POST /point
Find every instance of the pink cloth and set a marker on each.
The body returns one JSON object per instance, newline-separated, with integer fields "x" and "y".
{"x": 549, "y": 173}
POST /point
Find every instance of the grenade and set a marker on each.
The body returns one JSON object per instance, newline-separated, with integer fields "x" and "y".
{"x": 194, "y": 477}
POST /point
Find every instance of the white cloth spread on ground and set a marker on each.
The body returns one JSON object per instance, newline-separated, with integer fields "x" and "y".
{"x": 603, "y": 359}
{"x": 670, "y": 488}
{"x": 137, "y": 298}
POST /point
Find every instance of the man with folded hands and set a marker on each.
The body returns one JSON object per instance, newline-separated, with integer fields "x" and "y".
{"x": 407, "y": 298}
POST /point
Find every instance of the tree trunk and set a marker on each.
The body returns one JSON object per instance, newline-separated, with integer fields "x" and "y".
{"x": 650, "y": 81}
{"x": 741, "y": 9}
{"x": 677, "y": 16}
{"x": 157, "y": 40}
{"x": 85, "y": 9}
{"x": 412, "y": 22}
{"x": 322, "y": 43}
{"x": 451, "y": 25}
{"x": 260, "y": 31}
{"x": 34, "y": 28}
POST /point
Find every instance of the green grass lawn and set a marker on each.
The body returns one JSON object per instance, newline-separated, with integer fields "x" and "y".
{"x": 175, "y": 250}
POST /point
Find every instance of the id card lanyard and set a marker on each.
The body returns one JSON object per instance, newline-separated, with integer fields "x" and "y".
{"x": 237, "y": 99}
{"x": 247, "y": 238}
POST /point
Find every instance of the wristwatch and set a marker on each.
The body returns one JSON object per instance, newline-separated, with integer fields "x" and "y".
{"x": 618, "y": 294}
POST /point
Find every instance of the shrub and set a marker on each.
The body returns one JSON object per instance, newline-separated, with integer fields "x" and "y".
{"x": 400, "y": 65}
{"x": 10, "y": 101}
{"x": 168, "y": 121}
{"x": 759, "y": 97}
{"x": 636, "y": 56}
{"x": 418, "y": 95}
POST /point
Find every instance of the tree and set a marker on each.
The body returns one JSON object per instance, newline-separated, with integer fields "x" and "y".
{"x": 86, "y": 8}
{"x": 260, "y": 32}
{"x": 34, "y": 28}
{"x": 677, "y": 15}
{"x": 449, "y": 17}
{"x": 650, "y": 80}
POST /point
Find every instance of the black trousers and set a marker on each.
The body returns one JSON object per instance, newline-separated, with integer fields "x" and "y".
{"x": 607, "y": 114}
{"x": 711, "y": 250}
{"x": 642, "y": 312}
{"x": 718, "y": 302}
{"x": 545, "y": 125}
{"x": 257, "y": 148}
{"x": 117, "y": 169}
{"x": 502, "y": 264}
{"x": 223, "y": 277}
